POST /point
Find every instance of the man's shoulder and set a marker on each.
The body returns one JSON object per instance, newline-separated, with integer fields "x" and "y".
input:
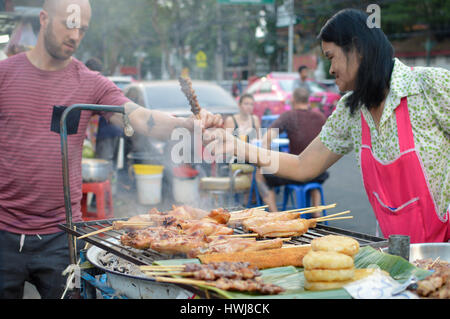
{"x": 13, "y": 60}
{"x": 87, "y": 75}
{"x": 83, "y": 69}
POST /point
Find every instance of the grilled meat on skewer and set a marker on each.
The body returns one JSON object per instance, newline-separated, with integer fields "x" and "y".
{"x": 232, "y": 245}
{"x": 206, "y": 228}
{"x": 172, "y": 240}
{"x": 238, "y": 276}
{"x": 143, "y": 238}
{"x": 186, "y": 88}
{"x": 284, "y": 228}
{"x": 438, "y": 284}
{"x": 250, "y": 285}
{"x": 215, "y": 271}
{"x": 219, "y": 215}
{"x": 178, "y": 214}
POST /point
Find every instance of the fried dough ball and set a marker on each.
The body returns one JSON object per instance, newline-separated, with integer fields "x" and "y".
{"x": 328, "y": 275}
{"x": 327, "y": 260}
{"x": 340, "y": 244}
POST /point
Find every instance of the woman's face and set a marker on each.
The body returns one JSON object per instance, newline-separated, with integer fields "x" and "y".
{"x": 247, "y": 105}
{"x": 343, "y": 67}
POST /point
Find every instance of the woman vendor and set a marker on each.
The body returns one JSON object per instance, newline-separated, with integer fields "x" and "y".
{"x": 396, "y": 119}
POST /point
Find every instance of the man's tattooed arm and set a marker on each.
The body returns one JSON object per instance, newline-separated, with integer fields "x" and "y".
{"x": 154, "y": 123}
{"x": 131, "y": 108}
{"x": 150, "y": 123}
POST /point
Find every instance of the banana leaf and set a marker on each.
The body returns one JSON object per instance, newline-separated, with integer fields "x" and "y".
{"x": 292, "y": 279}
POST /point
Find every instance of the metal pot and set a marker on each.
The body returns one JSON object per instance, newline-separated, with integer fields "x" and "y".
{"x": 95, "y": 170}
{"x": 428, "y": 250}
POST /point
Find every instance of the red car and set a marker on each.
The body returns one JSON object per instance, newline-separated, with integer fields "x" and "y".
{"x": 273, "y": 94}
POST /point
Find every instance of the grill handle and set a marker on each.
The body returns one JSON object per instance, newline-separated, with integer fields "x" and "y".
{"x": 65, "y": 162}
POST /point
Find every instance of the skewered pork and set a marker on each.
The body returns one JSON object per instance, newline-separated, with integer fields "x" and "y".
{"x": 250, "y": 285}
{"x": 236, "y": 276}
{"x": 186, "y": 88}
{"x": 205, "y": 228}
{"x": 143, "y": 238}
{"x": 215, "y": 271}
{"x": 275, "y": 228}
{"x": 232, "y": 245}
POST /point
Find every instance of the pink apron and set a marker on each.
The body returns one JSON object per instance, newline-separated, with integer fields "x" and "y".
{"x": 398, "y": 190}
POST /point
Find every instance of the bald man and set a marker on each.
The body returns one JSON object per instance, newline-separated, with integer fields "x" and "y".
{"x": 35, "y": 87}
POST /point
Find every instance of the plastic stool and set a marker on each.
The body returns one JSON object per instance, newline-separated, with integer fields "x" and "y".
{"x": 303, "y": 196}
{"x": 103, "y": 196}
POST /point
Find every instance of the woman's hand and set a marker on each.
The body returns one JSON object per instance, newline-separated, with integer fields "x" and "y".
{"x": 219, "y": 142}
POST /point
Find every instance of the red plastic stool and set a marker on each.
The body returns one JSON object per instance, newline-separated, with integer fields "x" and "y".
{"x": 103, "y": 196}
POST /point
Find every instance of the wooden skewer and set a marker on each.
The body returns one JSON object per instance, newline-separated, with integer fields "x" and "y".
{"x": 184, "y": 281}
{"x": 243, "y": 210}
{"x": 125, "y": 223}
{"x": 162, "y": 268}
{"x": 317, "y": 209}
{"x": 333, "y": 215}
{"x": 236, "y": 235}
{"x": 321, "y": 207}
{"x": 300, "y": 211}
{"x": 283, "y": 239}
{"x": 96, "y": 232}
{"x": 117, "y": 225}
{"x": 335, "y": 218}
{"x": 184, "y": 274}
{"x": 434, "y": 262}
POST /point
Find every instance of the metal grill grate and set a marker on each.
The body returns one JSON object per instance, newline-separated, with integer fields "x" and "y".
{"x": 110, "y": 240}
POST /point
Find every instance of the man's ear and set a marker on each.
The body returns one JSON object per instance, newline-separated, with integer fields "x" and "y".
{"x": 43, "y": 18}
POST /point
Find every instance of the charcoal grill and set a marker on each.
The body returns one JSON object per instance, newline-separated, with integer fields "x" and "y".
{"x": 110, "y": 240}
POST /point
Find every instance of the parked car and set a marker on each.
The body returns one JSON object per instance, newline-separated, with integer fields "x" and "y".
{"x": 121, "y": 81}
{"x": 167, "y": 96}
{"x": 273, "y": 94}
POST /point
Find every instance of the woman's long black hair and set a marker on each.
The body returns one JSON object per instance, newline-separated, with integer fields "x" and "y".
{"x": 348, "y": 29}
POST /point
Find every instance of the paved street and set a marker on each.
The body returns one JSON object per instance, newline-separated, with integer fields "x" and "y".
{"x": 345, "y": 187}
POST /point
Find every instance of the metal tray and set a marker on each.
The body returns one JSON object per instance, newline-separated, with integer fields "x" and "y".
{"x": 110, "y": 240}
{"x": 135, "y": 286}
{"x": 428, "y": 250}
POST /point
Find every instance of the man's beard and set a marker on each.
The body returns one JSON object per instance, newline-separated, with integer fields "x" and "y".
{"x": 53, "y": 48}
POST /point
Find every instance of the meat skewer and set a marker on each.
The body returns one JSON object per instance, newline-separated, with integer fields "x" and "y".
{"x": 240, "y": 276}
{"x": 186, "y": 88}
{"x": 237, "y": 218}
{"x": 269, "y": 227}
{"x": 212, "y": 271}
{"x": 203, "y": 228}
{"x": 155, "y": 218}
{"x": 171, "y": 240}
{"x": 250, "y": 285}
{"x": 232, "y": 245}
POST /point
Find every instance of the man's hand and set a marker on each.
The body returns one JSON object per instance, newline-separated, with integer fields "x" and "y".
{"x": 207, "y": 120}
